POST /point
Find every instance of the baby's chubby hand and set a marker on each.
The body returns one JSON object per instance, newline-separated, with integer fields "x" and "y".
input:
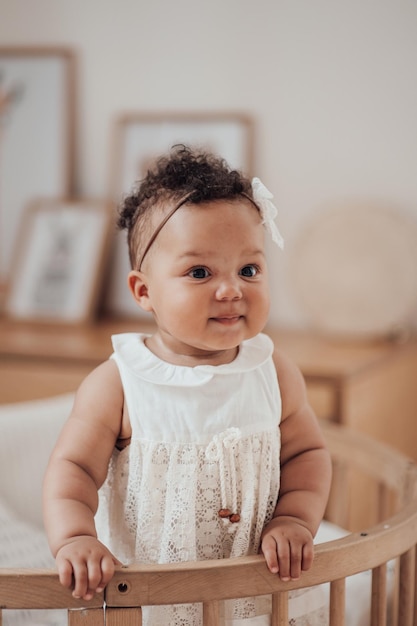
{"x": 86, "y": 565}
{"x": 288, "y": 547}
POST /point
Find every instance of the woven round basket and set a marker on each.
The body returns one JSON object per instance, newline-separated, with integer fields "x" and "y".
{"x": 354, "y": 271}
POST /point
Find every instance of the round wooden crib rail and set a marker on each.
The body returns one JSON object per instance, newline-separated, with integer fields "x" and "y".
{"x": 248, "y": 576}
{"x": 374, "y": 458}
{"x": 209, "y": 581}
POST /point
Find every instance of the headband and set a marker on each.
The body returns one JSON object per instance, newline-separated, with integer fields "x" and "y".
{"x": 161, "y": 225}
{"x": 261, "y": 200}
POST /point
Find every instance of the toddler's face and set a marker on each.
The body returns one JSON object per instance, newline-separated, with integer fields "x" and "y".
{"x": 206, "y": 280}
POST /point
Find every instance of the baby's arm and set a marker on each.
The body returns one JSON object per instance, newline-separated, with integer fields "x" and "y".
{"x": 76, "y": 470}
{"x": 287, "y": 541}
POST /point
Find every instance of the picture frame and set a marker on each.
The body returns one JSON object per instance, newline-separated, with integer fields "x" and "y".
{"x": 37, "y": 123}
{"x": 140, "y": 137}
{"x": 59, "y": 261}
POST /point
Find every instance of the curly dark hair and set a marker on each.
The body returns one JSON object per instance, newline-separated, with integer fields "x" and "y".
{"x": 198, "y": 174}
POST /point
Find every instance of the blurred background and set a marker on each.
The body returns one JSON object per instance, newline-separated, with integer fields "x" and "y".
{"x": 331, "y": 88}
{"x": 326, "y": 92}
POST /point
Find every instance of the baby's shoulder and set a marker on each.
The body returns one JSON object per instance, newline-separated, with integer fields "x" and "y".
{"x": 101, "y": 389}
{"x": 288, "y": 372}
{"x": 106, "y": 372}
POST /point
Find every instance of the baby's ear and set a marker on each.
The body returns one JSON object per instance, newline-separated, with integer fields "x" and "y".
{"x": 139, "y": 288}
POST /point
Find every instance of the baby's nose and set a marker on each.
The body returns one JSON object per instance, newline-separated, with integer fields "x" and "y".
{"x": 229, "y": 289}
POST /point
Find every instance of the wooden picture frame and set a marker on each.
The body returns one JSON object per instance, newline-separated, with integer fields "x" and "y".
{"x": 37, "y": 95}
{"x": 140, "y": 137}
{"x": 59, "y": 261}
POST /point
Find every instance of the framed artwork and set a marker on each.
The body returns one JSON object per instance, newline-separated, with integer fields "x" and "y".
{"x": 141, "y": 137}
{"x": 59, "y": 261}
{"x": 36, "y": 135}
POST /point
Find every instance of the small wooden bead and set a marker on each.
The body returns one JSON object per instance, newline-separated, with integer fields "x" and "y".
{"x": 234, "y": 518}
{"x": 225, "y": 513}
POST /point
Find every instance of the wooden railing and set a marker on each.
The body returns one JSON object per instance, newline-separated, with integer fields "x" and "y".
{"x": 210, "y": 582}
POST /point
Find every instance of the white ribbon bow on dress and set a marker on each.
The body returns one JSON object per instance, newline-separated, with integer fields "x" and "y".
{"x": 262, "y": 196}
{"x": 221, "y": 450}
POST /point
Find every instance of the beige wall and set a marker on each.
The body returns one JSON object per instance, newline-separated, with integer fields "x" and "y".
{"x": 332, "y": 86}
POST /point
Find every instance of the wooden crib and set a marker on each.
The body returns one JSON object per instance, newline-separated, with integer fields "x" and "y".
{"x": 391, "y": 480}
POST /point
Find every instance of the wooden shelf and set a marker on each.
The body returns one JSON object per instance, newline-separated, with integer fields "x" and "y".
{"x": 87, "y": 344}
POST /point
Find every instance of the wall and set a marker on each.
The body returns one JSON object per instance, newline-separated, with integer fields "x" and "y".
{"x": 332, "y": 86}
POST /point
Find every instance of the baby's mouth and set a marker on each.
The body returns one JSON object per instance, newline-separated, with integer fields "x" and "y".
{"x": 227, "y": 320}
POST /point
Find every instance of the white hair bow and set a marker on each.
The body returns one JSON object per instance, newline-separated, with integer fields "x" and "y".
{"x": 262, "y": 196}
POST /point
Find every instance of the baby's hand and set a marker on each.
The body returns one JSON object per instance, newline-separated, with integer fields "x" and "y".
{"x": 288, "y": 547}
{"x": 86, "y": 565}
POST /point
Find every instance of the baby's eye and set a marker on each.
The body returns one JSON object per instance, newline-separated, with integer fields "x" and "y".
{"x": 199, "y": 272}
{"x": 249, "y": 271}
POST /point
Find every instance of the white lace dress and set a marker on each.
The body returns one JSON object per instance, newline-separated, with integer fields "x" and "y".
{"x": 204, "y": 438}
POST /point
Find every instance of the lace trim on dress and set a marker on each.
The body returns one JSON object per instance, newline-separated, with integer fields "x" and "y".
{"x": 222, "y": 449}
{"x": 150, "y": 480}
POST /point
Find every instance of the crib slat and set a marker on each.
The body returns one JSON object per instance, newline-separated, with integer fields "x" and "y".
{"x": 387, "y": 502}
{"x": 279, "y": 609}
{"x": 337, "y": 602}
{"x": 415, "y": 592}
{"x": 211, "y": 613}
{"x": 123, "y": 616}
{"x": 337, "y": 510}
{"x": 407, "y": 584}
{"x": 86, "y": 617}
{"x": 379, "y": 596}
{"x": 393, "y": 608}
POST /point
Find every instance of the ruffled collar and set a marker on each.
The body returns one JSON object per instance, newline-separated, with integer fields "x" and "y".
{"x": 130, "y": 349}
